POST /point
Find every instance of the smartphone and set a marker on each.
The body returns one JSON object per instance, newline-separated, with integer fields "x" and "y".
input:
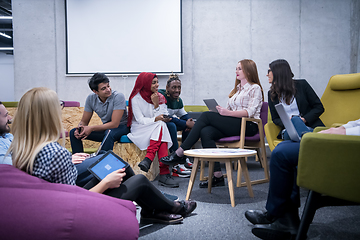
{"x": 79, "y": 129}
{"x": 166, "y": 116}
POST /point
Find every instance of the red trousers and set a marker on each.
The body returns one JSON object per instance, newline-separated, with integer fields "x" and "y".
{"x": 162, "y": 150}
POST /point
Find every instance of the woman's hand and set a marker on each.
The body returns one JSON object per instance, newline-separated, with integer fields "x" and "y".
{"x": 79, "y": 157}
{"x": 114, "y": 179}
{"x": 155, "y": 99}
{"x": 223, "y": 111}
{"x": 162, "y": 118}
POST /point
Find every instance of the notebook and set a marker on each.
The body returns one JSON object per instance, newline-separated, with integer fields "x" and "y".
{"x": 108, "y": 163}
{"x": 99, "y": 149}
{"x": 294, "y": 136}
{"x": 211, "y": 104}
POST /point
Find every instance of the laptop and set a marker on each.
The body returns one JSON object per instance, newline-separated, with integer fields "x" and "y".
{"x": 211, "y": 104}
{"x": 99, "y": 149}
{"x": 293, "y": 134}
{"x": 108, "y": 163}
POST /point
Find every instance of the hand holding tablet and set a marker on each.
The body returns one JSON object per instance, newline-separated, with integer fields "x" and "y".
{"x": 107, "y": 164}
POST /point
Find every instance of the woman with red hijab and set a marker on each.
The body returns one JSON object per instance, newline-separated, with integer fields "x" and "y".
{"x": 147, "y": 117}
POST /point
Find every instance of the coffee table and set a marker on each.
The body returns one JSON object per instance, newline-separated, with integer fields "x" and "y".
{"x": 227, "y": 155}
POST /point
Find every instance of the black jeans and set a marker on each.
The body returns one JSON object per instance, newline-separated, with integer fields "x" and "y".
{"x": 211, "y": 126}
{"x": 139, "y": 189}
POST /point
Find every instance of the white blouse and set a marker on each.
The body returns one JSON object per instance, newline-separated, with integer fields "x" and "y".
{"x": 143, "y": 126}
{"x": 249, "y": 98}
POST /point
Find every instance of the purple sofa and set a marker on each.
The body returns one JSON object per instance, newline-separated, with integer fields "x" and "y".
{"x": 31, "y": 208}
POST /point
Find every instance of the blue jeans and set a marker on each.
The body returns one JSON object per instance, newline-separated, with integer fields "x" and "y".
{"x": 300, "y": 127}
{"x": 283, "y": 191}
{"x": 173, "y": 128}
{"x": 84, "y": 176}
{"x": 98, "y": 136}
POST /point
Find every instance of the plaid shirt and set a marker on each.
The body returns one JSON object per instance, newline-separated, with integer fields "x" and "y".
{"x": 249, "y": 98}
{"x": 53, "y": 164}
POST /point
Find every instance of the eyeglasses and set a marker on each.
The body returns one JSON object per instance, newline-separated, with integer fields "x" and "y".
{"x": 269, "y": 70}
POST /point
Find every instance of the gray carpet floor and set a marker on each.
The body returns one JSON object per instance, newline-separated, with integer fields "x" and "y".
{"x": 214, "y": 218}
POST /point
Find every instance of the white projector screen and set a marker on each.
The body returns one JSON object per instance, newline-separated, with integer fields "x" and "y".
{"x": 123, "y": 36}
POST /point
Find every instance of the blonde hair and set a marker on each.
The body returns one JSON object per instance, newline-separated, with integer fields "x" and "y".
{"x": 251, "y": 74}
{"x": 37, "y": 122}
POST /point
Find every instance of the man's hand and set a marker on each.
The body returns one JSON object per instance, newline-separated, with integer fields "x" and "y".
{"x": 79, "y": 157}
{"x": 86, "y": 130}
{"x": 155, "y": 99}
{"x": 340, "y": 130}
{"x": 114, "y": 179}
{"x": 190, "y": 123}
{"x": 77, "y": 132}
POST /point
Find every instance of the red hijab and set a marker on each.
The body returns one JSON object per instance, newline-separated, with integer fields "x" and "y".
{"x": 143, "y": 86}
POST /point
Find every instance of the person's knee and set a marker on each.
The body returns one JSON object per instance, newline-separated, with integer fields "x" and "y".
{"x": 72, "y": 132}
{"x": 171, "y": 126}
{"x": 139, "y": 178}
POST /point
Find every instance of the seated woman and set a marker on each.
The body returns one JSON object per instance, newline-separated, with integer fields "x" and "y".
{"x": 35, "y": 150}
{"x": 147, "y": 117}
{"x": 180, "y": 120}
{"x": 299, "y": 99}
{"x": 245, "y": 100}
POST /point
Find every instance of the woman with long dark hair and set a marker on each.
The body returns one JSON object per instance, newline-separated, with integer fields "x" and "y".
{"x": 300, "y": 101}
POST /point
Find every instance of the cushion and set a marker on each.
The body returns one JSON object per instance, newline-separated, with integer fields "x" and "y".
{"x": 345, "y": 82}
{"x": 125, "y": 139}
{"x": 32, "y": 208}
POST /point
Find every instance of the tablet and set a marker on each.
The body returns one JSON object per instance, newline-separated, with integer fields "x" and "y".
{"x": 290, "y": 128}
{"x": 108, "y": 163}
{"x": 211, "y": 104}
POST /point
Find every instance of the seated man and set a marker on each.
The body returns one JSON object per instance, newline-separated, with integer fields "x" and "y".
{"x": 180, "y": 120}
{"x": 5, "y": 136}
{"x": 281, "y": 220}
{"x": 110, "y": 106}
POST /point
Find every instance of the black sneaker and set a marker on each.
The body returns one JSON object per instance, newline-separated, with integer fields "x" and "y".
{"x": 173, "y": 159}
{"x": 216, "y": 182}
{"x": 144, "y": 165}
{"x": 167, "y": 181}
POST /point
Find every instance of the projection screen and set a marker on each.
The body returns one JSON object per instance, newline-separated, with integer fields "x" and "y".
{"x": 123, "y": 36}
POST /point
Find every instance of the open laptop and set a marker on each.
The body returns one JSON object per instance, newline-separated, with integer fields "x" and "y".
{"x": 106, "y": 164}
{"x": 211, "y": 104}
{"x": 99, "y": 149}
{"x": 290, "y": 128}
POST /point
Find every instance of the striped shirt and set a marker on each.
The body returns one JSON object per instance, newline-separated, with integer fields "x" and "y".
{"x": 249, "y": 98}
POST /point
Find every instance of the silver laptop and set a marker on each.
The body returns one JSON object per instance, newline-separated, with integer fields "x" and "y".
{"x": 294, "y": 136}
{"x": 99, "y": 149}
{"x": 211, "y": 104}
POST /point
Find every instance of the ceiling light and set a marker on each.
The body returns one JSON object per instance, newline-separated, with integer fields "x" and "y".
{"x": 6, "y": 48}
{"x": 6, "y": 17}
{"x": 5, "y": 35}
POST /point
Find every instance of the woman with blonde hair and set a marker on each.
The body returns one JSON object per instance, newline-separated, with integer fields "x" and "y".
{"x": 37, "y": 126}
{"x": 245, "y": 100}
